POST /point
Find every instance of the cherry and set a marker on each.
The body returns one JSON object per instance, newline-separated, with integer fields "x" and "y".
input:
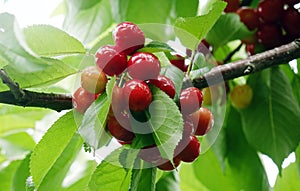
{"x": 82, "y": 99}
{"x": 250, "y": 49}
{"x": 188, "y": 131}
{"x": 190, "y": 100}
{"x": 117, "y": 103}
{"x": 150, "y": 154}
{"x": 137, "y": 95}
{"x": 124, "y": 142}
{"x": 165, "y": 84}
{"x": 118, "y": 131}
{"x": 211, "y": 95}
{"x": 179, "y": 62}
{"x": 249, "y": 17}
{"x": 290, "y": 21}
{"x": 232, "y": 5}
{"x": 191, "y": 151}
{"x": 93, "y": 79}
{"x": 111, "y": 61}
{"x": 269, "y": 35}
{"x": 166, "y": 165}
{"x": 203, "y": 121}
{"x": 270, "y": 10}
{"x": 241, "y": 96}
{"x": 128, "y": 37}
{"x": 143, "y": 66}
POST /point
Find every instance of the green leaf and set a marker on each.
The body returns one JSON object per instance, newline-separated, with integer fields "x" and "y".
{"x": 7, "y": 174}
{"x": 85, "y": 176}
{"x": 26, "y": 117}
{"x": 156, "y": 46}
{"x": 59, "y": 170}
{"x": 166, "y": 122}
{"x": 110, "y": 175}
{"x": 92, "y": 128}
{"x": 46, "y": 40}
{"x": 143, "y": 178}
{"x": 188, "y": 29}
{"x": 297, "y": 152}
{"x": 185, "y": 8}
{"x": 289, "y": 180}
{"x": 188, "y": 179}
{"x": 49, "y": 75}
{"x": 227, "y": 28}
{"x": 271, "y": 122}
{"x": 21, "y": 175}
{"x": 54, "y": 154}
{"x": 16, "y": 144}
{"x": 86, "y": 21}
{"x": 243, "y": 169}
{"x": 13, "y": 48}
{"x": 296, "y": 87}
{"x": 169, "y": 182}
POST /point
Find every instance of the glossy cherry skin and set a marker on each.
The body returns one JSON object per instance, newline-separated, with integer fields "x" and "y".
{"x": 150, "y": 154}
{"x": 128, "y": 37}
{"x": 191, "y": 151}
{"x": 93, "y": 79}
{"x": 143, "y": 66}
{"x": 290, "y": 21}
{"x": 270, "y": 10}
{"x": 166, "y": 165}
{"x": 82, "y": 99}
{"x": 249, "y": 17}
{"x": 269, "y": 35}
{"x": 118, "y": 131}
{"x": 203, "y": 121}
{"x": 179, "y": 62}
{"x": 250, "y": 49}
{"x": 190, "y": 100}
{"x": 165, "y": 84}
{"x": 232, "y": 5}
{"x": 137, "y": 95}
{"x": 110, "y": 60}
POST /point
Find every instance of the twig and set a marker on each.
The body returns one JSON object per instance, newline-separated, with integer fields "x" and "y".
{"x": 57, "y": 102}
{"x": 255, "y": 63}
{"x": 229, "y": 56}
{"x": 13, "y": 86}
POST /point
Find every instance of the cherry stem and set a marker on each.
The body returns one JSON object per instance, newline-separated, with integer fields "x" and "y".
{"x": 219, "y": 74}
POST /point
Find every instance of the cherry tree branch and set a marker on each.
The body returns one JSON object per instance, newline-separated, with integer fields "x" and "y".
{"x": 221, "y": 73}
{"x": 25, "y": 98}
{"x": 255, "y": 63}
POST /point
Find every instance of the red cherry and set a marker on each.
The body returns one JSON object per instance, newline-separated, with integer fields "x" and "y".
{"x": 110, "y": 60}
{"x": 178, "y": 61}
{"x": 165, "y": 84}
{"x": 128, "y": 37}
{"x": 190, "y": 100}
{"x": 188, "y": 131}
{"x": 269, "y": 35}
{"x": 290, "y": 21}
{"x": 93, "y": 79}
{"x": 191, "y": 151}
{"x": 249, "y": 17}
{"x": 137, "y": 95}
{"x": 150, "y": 154}
{"x": 166, "y": 165}
{"x": 232, "y": 5}
{"x": 143, "y": 66}
{"x": 270, "y": 10}
{"x": 124, "y": 142}
{"x": 82, "y": 99}
{"x": 203, "y": 121}
{"x": 118, "y": 131}
{"x": 250, "y": 49}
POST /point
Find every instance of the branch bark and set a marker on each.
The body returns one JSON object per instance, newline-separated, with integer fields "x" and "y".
{"x": 219, "y": 74}
{"x": 255, "y": 63}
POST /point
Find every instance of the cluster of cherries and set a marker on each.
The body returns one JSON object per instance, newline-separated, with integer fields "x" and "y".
{"x": 137, "y": 72}
{"x": 276, "y": 22}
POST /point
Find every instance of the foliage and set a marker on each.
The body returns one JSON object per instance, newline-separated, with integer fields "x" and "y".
{"x": 39, "y": 57}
